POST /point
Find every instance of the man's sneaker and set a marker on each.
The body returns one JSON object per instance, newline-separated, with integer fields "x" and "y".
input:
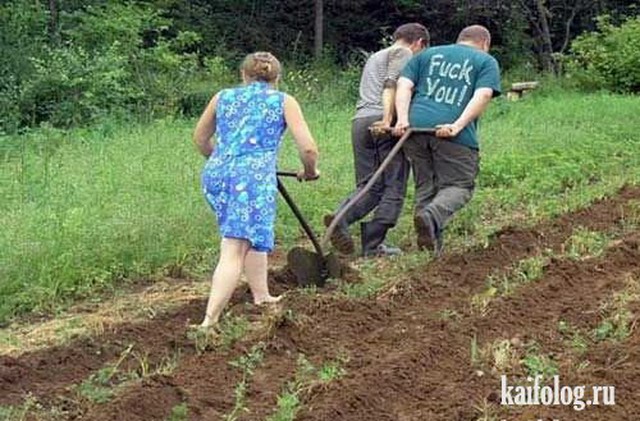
{"x": 340, "y": 237}
{"x": 383, "y": 250}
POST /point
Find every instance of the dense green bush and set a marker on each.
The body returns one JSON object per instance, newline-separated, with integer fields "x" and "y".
{"x": 320, "y": 83}
{"x": 609, "y": 58}
{"x": 196, "y": 94}
{"x": 126, "y": 59}
{"x": 114, "y": 58}
{"x": 69, "y": 86}
{"x": 22, "y": 36}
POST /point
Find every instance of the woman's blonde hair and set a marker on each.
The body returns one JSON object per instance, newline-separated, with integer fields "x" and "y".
{"x": 261, "y": 66}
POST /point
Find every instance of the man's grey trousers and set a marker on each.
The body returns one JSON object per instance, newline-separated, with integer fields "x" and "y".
{"x": 386, "y": 196}
{"x": 444, "y": 173}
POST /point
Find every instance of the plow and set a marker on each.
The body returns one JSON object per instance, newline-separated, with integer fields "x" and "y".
{"x": 315, "y": 267}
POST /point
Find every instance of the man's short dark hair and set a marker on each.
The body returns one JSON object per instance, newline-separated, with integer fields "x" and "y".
{"x": 412, "y": 32}
{"x": 474, "y": 33}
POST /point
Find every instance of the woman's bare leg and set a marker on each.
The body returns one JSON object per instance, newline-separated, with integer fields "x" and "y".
{"x": 255, "y": 269}
{"x": 225, "y": 277}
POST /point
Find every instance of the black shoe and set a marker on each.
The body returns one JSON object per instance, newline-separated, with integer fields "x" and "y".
{"x": 340, "y": 237}
{"x": 372, "y": 234}
{"x": 425, "y": 231}
{"x": 428, "y": 237}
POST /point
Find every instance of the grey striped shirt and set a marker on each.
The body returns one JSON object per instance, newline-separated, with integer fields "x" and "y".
{"x": 381, "y": 66}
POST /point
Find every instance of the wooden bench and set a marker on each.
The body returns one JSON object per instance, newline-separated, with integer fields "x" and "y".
{"x": 520, "y": 88}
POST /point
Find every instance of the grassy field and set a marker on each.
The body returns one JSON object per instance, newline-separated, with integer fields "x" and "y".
{"x": 88, "y": 209}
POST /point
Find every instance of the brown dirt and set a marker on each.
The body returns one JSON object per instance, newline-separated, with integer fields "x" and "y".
{"x": 48, "y": 372}
{"x": 405, "y": 362}
{"x": 93, "y": 318}
{"x": 148, "y": 401}
{"x": 425, "y": 369}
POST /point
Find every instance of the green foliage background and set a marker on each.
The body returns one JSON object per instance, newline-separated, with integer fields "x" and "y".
{"x": 609, "y": 58}
{"x": 80, "y": 62}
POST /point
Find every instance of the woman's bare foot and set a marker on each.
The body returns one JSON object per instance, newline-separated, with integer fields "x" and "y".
{"x": 208, "y": 322}
{"x": 268, "y": 299}
{"x": 202, "y": 330}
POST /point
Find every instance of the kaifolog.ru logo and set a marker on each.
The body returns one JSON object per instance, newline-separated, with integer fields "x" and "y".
{"x": 536, "y": 393}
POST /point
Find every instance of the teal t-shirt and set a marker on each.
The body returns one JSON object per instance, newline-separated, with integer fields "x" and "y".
{"x": 445, "y": 79}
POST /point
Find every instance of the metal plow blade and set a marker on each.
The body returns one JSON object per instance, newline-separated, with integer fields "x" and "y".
{"x": 309, "y": 268}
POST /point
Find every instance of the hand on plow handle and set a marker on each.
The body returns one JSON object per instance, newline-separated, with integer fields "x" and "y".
{"x": 300, "y": 175}
{"x": 380, "y": 130}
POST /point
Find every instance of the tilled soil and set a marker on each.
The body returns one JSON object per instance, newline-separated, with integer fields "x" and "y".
{"x": 424, "y": 371}
{"x": 404, "y": 360}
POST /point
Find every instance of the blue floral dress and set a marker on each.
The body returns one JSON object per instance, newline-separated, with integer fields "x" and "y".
{"x": 239, "y": 178}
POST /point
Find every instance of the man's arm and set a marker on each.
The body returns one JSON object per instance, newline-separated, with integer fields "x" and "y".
{"x": 388, "y": 102}
{"x": 404, "y": 91}
{"x": 474, "y": 109}
{"x": 398, "y": 58}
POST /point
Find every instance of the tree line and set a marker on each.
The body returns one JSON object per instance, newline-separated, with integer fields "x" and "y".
{"x": 522, "y": 29}
{"x": 70, "y": 62}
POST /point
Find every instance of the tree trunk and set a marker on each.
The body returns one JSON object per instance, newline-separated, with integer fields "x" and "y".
{"x": 579, "y": 6}
{"x": 319, "y": 23}
{"x": 53, "y": 21}
{"x": 567, "y": 30}
{"x": 547, "y": 46}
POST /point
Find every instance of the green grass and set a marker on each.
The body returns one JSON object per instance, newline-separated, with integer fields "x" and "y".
{"x": 536, "y": 363}
{"x": 179, "y": 413}
{"x": 375, "y": 274}
{"x": 18, "y": 413}
{"x": 86, "y": 209}
{"x": 98, "y": 208}
{"x": 618, "y": 321}
{"x": 575, "y": 340}
{"x": 529, "y": 269}
{"x": 373, "y": 280}
{"x": 100, "y": 386}
{"x": 232, "y": 329}
{"x": 32, "y": 409}
{"x": 584, "y": 244}
{"x": 630, "y": 220}
{"x": 307, "y": 377}
{"x": 247, "y": 364}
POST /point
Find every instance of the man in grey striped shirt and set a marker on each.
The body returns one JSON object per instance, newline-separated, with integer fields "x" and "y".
{"x": 375, "y": 107}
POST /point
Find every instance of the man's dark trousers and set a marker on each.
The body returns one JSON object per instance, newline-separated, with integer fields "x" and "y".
{"x": 444, "y": 174}
{"x": 386, "y": 196}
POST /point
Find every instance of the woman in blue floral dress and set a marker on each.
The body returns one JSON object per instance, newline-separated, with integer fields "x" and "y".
{"x": 239, "y": 178}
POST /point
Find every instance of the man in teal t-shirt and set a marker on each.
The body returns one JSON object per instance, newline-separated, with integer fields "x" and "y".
{"x": 447, "y": 87}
